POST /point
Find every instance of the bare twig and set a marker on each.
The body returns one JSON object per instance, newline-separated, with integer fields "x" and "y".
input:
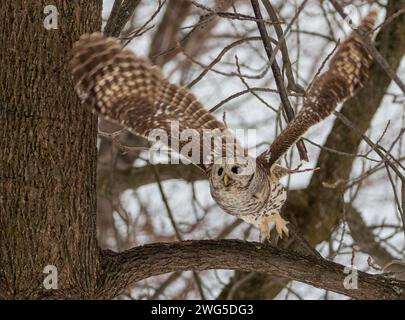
{"x": 380, "y": 151}
{"x": 277, "y": 75}
{"x": 176, "y": 229}
{"x": 372, "y": 50}
{"x": 292, "y": 85}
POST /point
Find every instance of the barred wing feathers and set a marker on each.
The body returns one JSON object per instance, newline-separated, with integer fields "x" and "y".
{"x": 127, "y": 89}
{"x": 347, "y": 70}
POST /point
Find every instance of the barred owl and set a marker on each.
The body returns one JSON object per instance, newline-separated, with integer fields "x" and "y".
{"x": 126, "y": 89}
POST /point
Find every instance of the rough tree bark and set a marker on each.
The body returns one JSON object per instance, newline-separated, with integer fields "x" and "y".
{"x": 123, "y": 269}
{"x": 48, "y": 154}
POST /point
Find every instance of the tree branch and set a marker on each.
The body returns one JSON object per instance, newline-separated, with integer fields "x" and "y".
{"x": 292, "y": 85}
{"x": 289, "y": 112}
{"x": 364, "y": 238}
{"x": 120, "y": 270}
{"x": 121, "y": 13}
{"x": 139, "y": 176}
{"x": 165, "y": 36}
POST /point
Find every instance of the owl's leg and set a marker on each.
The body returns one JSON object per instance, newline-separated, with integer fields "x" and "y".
{"x": 280, "y": 224}
{"x": 264, "y": 230}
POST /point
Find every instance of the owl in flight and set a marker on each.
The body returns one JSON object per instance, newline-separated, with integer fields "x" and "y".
{"x": 126, "y": 89}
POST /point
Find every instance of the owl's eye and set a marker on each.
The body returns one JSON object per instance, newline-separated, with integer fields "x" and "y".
{"x": 236, "y": 169}
{"x": 220, "y": 170}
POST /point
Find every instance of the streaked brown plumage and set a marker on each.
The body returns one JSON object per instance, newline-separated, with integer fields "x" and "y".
{"x": 127, "y": 89}
{"x": 347, "y": 70}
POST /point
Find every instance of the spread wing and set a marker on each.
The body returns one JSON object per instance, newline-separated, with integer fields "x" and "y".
{"x": 347, "y": 70}
{"x": 127, "y": 89}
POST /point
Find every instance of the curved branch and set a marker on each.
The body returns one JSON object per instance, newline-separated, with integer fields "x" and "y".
{"x": 139, "y": 176}
{"x": 123, "y": 269}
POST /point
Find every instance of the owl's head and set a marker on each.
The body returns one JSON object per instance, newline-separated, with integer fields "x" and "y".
{"x": 233, "y": 174}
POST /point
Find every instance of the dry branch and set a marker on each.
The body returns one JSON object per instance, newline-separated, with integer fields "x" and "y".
{"x": 123, "y": 269}
{"x": 289, "y": 112}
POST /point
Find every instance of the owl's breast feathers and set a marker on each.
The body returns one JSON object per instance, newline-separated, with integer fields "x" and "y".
{"x": 272, "y": 205}
{"x": 264, "y": 196}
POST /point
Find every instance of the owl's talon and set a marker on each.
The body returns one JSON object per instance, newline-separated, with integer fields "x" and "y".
{"x": 281, "y": 227}
{"x": 264, "y": 234}
{"x": 280, "y": 224}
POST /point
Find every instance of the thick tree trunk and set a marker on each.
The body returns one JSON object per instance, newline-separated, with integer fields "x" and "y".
{"x": 48, "y": 154}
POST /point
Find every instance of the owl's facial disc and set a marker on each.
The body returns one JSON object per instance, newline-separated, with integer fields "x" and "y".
{"x": 234, "y": 174}
{"x": 231, "y": 174}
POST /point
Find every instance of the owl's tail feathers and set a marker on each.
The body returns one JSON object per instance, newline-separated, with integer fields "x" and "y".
{"x": 103, "y": 70}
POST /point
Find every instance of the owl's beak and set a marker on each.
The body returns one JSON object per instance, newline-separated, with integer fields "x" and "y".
{"x": 226, "y": 180}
